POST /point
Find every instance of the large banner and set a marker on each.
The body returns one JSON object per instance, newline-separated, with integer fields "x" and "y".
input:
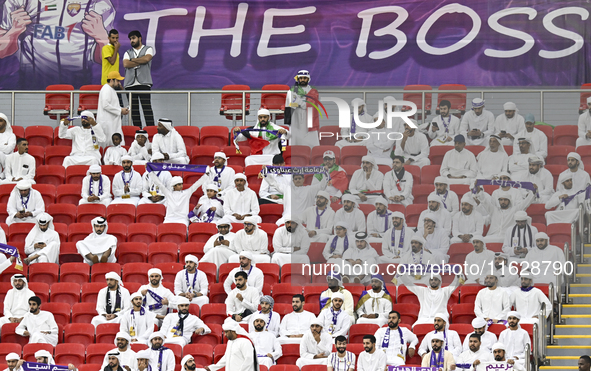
{"x": 211, "y": 43}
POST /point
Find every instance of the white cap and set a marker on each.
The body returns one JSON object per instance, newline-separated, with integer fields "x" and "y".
{"x": 12, "y": 357}
{"x": 498, "y": 346}
{"x": 478, "y": 322}
{"x": 514, "y": 314}
{"x": 154, "y": 271}
{"x": 263, "y": 111}
{"x": 221, "y": 155}
{"x": 181, "y": 300}
{"x": 185, "y": 360}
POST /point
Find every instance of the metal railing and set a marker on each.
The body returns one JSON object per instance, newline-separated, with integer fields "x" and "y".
{"x": 543, "y": 334}
{"x": 361, "y": 91}
{"x": 553, "y": 300}
{"x": 528, "y": 357}
{"x": 536, "y": 346}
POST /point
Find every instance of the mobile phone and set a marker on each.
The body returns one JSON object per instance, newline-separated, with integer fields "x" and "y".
{"x": 220, "y": 238}
{"x": 435, "y": 124}
{"x": 503, "y": 132}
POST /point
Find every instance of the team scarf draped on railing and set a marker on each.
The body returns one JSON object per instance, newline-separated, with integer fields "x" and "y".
{"x": 505, "y": 183}
{"x": 12, "y": 251}
{"x": 257, "y": 144}
{"x": 154, "y": 166}
{"x": 34, "y": 366}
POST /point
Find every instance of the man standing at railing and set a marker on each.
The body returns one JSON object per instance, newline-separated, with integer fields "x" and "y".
{"x": 109, "y": 110}
{"x": 296, "y": 111}
{"x": 138, "y": 76}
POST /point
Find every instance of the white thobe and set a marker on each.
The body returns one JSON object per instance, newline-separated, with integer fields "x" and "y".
{"x": 108, "y": 113}
{"x": 97, "y": 245}
{"x": 492, "y": 304}
{"x": 83, "y": 148}
{"x": 5, "y": 264}
{"x": 139, "y": 154}
{"x": 271, "y": 149}
{"x": 48, "y": 254}
{"x": 490, "y": 164}
{"x": 483, "y": 122}
{"x": 239, "y": 356}
{"x": 7, "y": 141}
{"x": 378, "y": 303}
{"x": 449, "y": 201}
{"x": 207, "y": 204}
{"x": 101, "y": 305}
{"x": 511, "y": 126}
{"x": 518, "y": 165}
{"x": 580, "y": 179}
{"x": 267, "y": 189}
{"x": 265, "y": 343}
{"x": 191, "y": 324}
{"x": 16, "y": 303}
{"x": 423, "y": 258}
{"x": 539, "y": 141}
{"x": 301, "y": 135}
{"x": 149, "y": 187}
{"x": 447, "y": 127}
{"x": 354, "y": 128}
{"x": 19, "y": 166}
{"x": 584, "y": 125}
{"x": 295, "y": 324}
{"x": 487, "y": 340}
{"x": 368, "y": 256}
{"x": 305, "y": 195}
{"x": 168, "y": 360}
{"x": 126, "y": 358}
{"x": 360, "y": 183}
{"x": 138, "y": 326}
{"x": 164, "y": 293}
{"x": 375, "y": 361}
{"x": 468, "y": 357}
{"x": 529, "y": 303}
{"x": 355, "y": 219}
{"x": 284, "y": 244}
{"x": 396, "y": 347}
{"x": 256, "y": 278}
{"x": 257, "y": 243}
{"x": 310, "y": 348}
{"x": 438, "y": 243}
{"x": 177, "y": 202}
{"x": 251, "y": 298}
{"x": 326, "y": 222}
{"x": 506, "y": 279}
{"x": 242, "y": 203}
{"x": 380, "y": 145}
{"x": 543, "y": 179}
{"x": 551, "y": 254}
{"x": 523, "y": 237}
{"x": 172, "y": 144}
{"x": 338, "y": 245}
{"x": 345, "y": 363}
{"x": 273, "y": 323}
{"x": 444, "y": 222}
{"x": 459, "y": 164}
{"x": 391, "y": 184}
{"x": 34, "y": 204}
{"x": 564, "y": 213}
{"x": 218, "y": 254}
{"x": 432, "y": 301}
{"x": 416, "y": 149}
{"x": 501, "y": 219}
{"x": 466, "y": 224}
{"x": 224, "y": 180}
{"x": 185, "y": 282}
{"x": 113, "y": 155}
{"x": 515, "y": 343}
{"x": 348, "y": 304}
{"x": 135, "y": 187}
{"x": 36, "y": 324}
{"x": 378, "y": 224}
{"x": 482, "y": 259}
{"x": 451, "y": 340}
{"x": 87, "y": 191}
{"x": 392, "y": 248}
{"x": 332, "y": 190}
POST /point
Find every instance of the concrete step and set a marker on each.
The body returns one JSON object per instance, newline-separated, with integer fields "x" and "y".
{"x": 563, "y": 361}
{"x": 573, "y": 339}
{"x": 581, "y": 298}
{"x": 568, "y": 350}
{"x": 559, "y": 367}
{"x": 577, "y": 320}
{"x": 580, "y": 288}
{"x": 572, "y": 329}
{"x": 582, "y": 309}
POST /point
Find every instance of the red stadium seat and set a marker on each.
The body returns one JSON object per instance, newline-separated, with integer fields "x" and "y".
{"x": 312, "y": 292}
{"x": 89, "y": 101}
{"x": 18, "y": 131}
{"x": 209, "y": 269}
{"x": 318, "y": 152}
{"x": 417, "y": 98}
{"x": 110, "y": 171}
{"x": 68, "y": 194}
{"x": 270, "y": 213}
{"x": 217, "y": 294}
{"x": 271, "y": 272}
{"x": 413, "y": 213}
{"x": 235, "y": 158}
{"x": 172, "y": 232}
{"x": 66, "y": 292}
{"x": 75, "y": 174}
{"x": 355, "y": 288}
{"x": 252, "y": 173}
{"x": 203, "y": 155}
{"x": 232, "y": 103}
{"x": 17, "y": 232}
{"x": 44, "y": 272}
{"x": 548, "y": 131}
{"x": 81, "y": 333}
{"x": 38, "y": 153}
{"x": 284, "y": 367}
{"x": 62, "y": 230}
{"x": 274, "y": 102}
{"x": 214, "y": 136}
{"x": 150, "y": 213}
{"x": 50, "y": 174}
{"x": 75, "y": 272}
{"x": 132, "y": 252}
{"x": 351, "y": 155}
{"x": 57, "y": 141}
{"x": 141, "y": 232}
{"x": 421, "y": 192}
{"x": 136, "y": 347}
{"x": 225, "y": 270}
{"x": 475, "y": 149}
{"x": 5, "y": 190}
{"x": 330, "y": 140}
{"x": 358, "y": 331}
{"x": 40, "y": 135}
{"x": 29, "y": 350}
{"x": 282, "y": 308}
{"x": 193, "y": 248}
{"x": 559, "y": 234}
{"x": 9, "y": 335}
{"x": 405, "y": 296}
{"x": 69, "y": 253}
{"x": 79, "y": 231}
{"x": 98, "y": 271}
{"x": 429, "y": 173}
{"x": 283, "y": 292}
{"x": 557, "y": 155}
{"x": 462, "y": 313}
{"x": 62, "y": 213}
{"x": 458, "y": 251}
{"x": 129, "y": 134}
{"x": 566, "y": 135}
{"x": 106, "y": 332}
{"x": 297, "y": 155}
{"x": 416, "y": 173}
{"x": 436, "y": 154}
{"x": 6, "y": 275}
{"x": 291, "y": 353}
{"x": 163, "y": 252}
{"x": 41, "y": 290}
{"x": 121, "y": 213}
{"x": 169, "y": 270}
{"x": 219, "y": 351}
{"x": 57, "y": 105}
{"x": 585, "y": 152}
{"x": 90, "y": 291}
{"x": 190, "y": 135}
{"x": 468, "y": 293}
{"x": 10, "y": 348}
{"x": 83, "y": 312}
{"x": 214, "y": 313}
{"x": 202, "y": 353}
{"x": 87, "y": 212}
{"x": 408, "y": 312}
{"x": 457, "y": 100}
{"x": 537, "y": 212}
{"x": 555, "y": 170}
{"x": 60, "y": 311}
{"x": 95, "y": 353}
{"x": 136, "y": 272}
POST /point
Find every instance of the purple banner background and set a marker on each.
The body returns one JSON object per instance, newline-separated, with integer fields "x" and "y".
{"x": 333, "y": 31}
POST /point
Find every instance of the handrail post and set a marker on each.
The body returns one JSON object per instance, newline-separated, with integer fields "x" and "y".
{"x": 527, "y": 357}
{"x": 552, "y": 295}
{"x": 243, "y": 108}
{"x": 571, "y": 278}
{"x": 424, "y": 110}
{"x": 542, "y": 105}
{"x": 536, "y": 346}
{"x": 12, "y": 107}
{"x": 189, "y": 108}
{"x": 365, "y": 97}
{"x": 129, "y": 117}
{"x": 71, "y": 104}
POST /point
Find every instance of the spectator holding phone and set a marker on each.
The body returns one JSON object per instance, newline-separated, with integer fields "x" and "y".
{"x": 219, "y": 247}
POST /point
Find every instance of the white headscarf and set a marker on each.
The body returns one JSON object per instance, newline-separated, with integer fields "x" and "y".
{"x": 94, "y": 243}
{"x": 44, "y": 353}
{"x": 36, "y": 232}
{"x": 371, "y": 160}
{"x": 167, "y": 123}
{"x": 8, "y": 124}
{"x": 498, "y": 139}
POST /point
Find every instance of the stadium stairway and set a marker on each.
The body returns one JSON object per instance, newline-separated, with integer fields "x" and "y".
{"x": 572, "y": 338}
